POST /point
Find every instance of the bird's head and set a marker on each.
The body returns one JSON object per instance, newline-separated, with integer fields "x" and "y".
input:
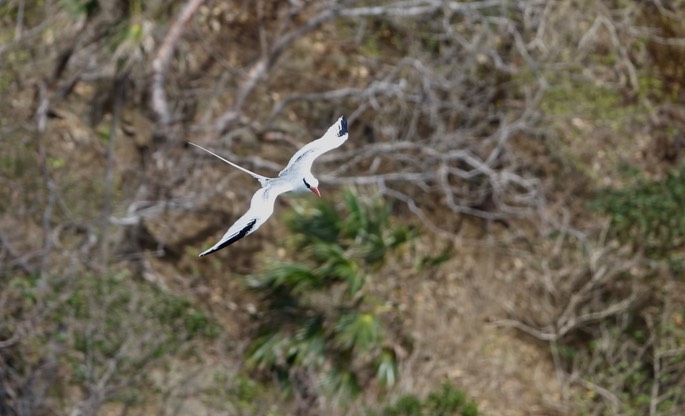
{"x": 312, "y": 184}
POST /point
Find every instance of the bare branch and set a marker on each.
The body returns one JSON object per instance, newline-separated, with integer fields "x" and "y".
{"x": 536, "y": 333}
{"x": 160, "y": 65}
{"x": 10, "y": 341}
{"x": 262, "y": 67}
{"x": 606, "y": 394}
{"x": 418, "y": 8}
{"x": 19, "y": 27}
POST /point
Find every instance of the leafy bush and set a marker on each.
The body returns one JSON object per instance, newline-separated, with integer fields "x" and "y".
{"x": 319, "y": 318}
{"x": 649, "y": 215}
{"x": 102, "y": 334}
{"x": 447, "y": 401}
{"x": 631, "y": 367}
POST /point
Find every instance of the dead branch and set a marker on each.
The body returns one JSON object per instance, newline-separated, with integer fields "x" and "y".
{"x": 418, "y": 8}
{"x": 261, "y": 68}
{"x": 568, "y": 323}
{"x": 440, "y": 160}
{"x": 19, "y": 26}
{"x": 160, "y": 65}
{"x": 10, "y": 341}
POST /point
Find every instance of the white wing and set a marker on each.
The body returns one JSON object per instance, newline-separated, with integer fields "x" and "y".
{"x": 303, "y": 159}
{"x": 261, "y": 208}
{"x": 260, "y": 178}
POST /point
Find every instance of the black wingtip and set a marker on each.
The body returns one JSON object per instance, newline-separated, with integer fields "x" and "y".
{"x": 343, "y": 126}
{"x": 242, "y": 233}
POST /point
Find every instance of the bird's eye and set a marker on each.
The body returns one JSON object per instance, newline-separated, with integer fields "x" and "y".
{"x": 305, "y": 183}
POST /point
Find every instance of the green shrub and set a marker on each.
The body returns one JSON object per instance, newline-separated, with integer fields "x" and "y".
{"x": 318, "y": 315}
{"x": 446, "y": 401}
{"x": 108, "y": 330}
{"x": 649, "y": 215}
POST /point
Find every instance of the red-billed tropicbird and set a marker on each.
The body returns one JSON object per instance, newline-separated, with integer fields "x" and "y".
{"x": 296, "y": 176}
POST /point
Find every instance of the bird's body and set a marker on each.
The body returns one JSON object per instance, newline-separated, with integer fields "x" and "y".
{"x": 296, "y": 176}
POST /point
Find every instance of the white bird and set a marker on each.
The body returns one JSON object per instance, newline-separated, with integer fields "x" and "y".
{"x": 296, "y": 176}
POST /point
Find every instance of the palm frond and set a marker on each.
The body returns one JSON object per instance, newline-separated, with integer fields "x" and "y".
{"x": 309, "y": 322}
{"x": 356, "y": 330}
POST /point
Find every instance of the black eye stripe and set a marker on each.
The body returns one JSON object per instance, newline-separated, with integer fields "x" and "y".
{"x": 305, "y": 183}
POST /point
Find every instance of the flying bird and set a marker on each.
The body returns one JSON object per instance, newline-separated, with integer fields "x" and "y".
{"x": 296, "y": 176}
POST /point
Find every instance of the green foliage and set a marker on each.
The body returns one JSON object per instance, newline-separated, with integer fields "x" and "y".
{"x": 387, "y": 371}
{"x": 357, "y": 330}
{"x": 435, "y": 261}
{"x": 79, "y": 8}
{"x": 106, "y": 328}
{"x": 364, "y": 229}
{"x": 621, "y": 360}
{"x": 319, "y": 316}
{"x": 344, "y": 384}
{"x": 25, "y": 288}
{"x": 577, "y": 97}
{"x": 238, "y": 394}
{"x": 447, "y": 401}
{"x": 649, "y": 215}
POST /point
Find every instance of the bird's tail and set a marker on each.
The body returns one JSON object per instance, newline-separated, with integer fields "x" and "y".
{"x": 262, "y": 179}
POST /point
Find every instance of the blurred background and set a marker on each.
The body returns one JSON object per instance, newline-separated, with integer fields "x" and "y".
{"x": 502, "y": 234}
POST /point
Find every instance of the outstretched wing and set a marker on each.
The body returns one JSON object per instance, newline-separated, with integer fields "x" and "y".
{"x": 260, "y": 178}
{"x": 303, "y": 159}
{"x": 261, "y": 208}
{"x": 237, "y": 231}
